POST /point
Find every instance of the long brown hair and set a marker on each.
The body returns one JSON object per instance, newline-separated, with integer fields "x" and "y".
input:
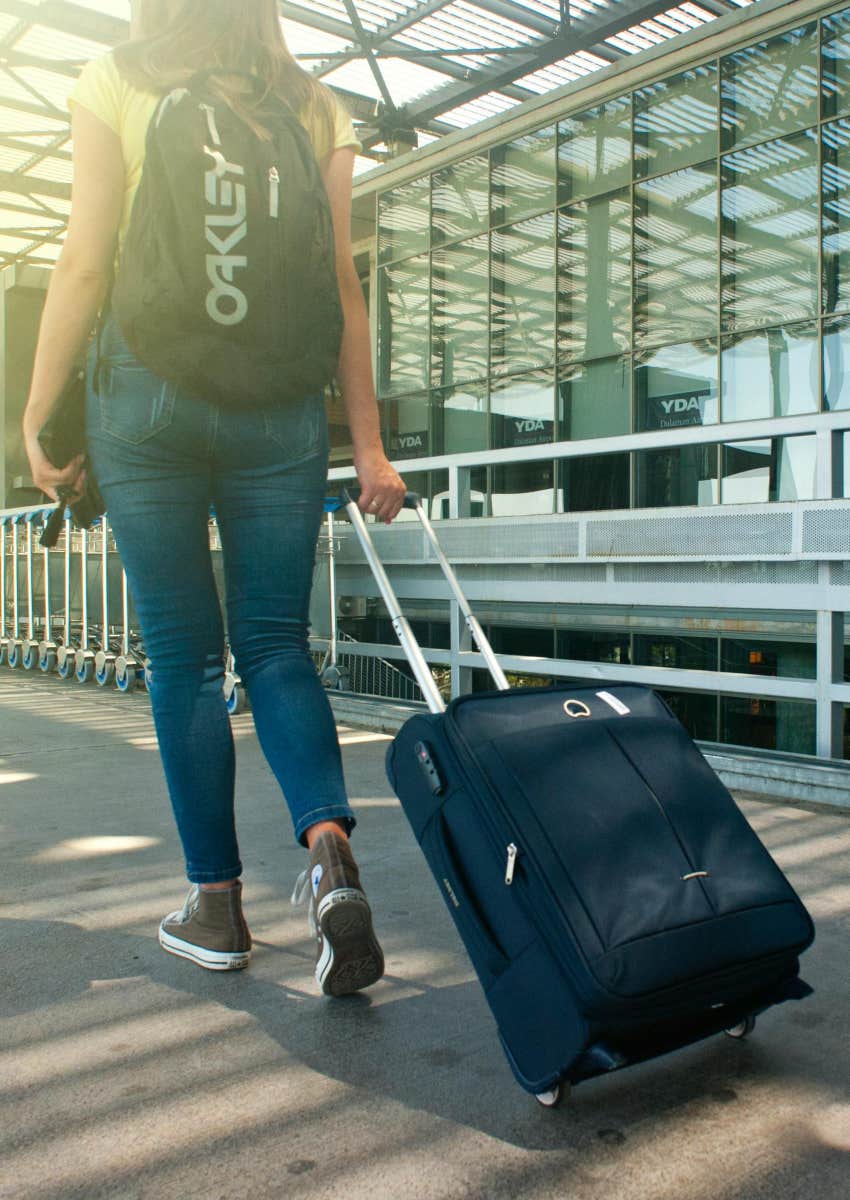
{"x": 172, "y": 40}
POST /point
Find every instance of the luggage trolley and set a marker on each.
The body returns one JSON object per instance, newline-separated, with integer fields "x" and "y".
{"x": 66, "y": 653}
{"x": 129, "y": 670}
{"x": 14, "y": 645}
{"x": 4, "y": 639}
{"x": 104, "y": 660}
{"x": 29, "y": 646}
{"x": 47, "y": 647}
{"x": 84, "y": 657}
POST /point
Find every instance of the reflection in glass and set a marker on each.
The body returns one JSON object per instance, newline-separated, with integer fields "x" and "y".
{"x": 835, "y": 63}
{"x": 676, "y": 475}
{"x": 459, "y": 312}
{"x": 522, "y": 639}
{"x": 460, "y": 419}
{"x": 589, "y": 646}
{"x": 429, "y": 485}
{"x": 676, "y": 386}
{"x": 403, "y": 327}
{"x": 697, "y": 712}
{"x": 593, "y": 482}
{"x": 522, "y": 410}
{"x": 770, "y": 373}
{"x": 522, "y": 489}
{"x": 595, "y": 399}
{"x": 676, "y": 121}
{"x": 787, "y": 660}
{"x": 522, "y": 179}
{"x": 460, "y": 200}
{"x": 595, "y": 151}
{"x": 771, "y": 88}
{"x": 787, "y": 725}
{"x": 404, "y": 220}
{"x": 523, "y": 282}
{"x": 836, "y": 216}
{"x": 594, "y": 278}
{"x": 836, "y": 363}
{"x": 771, "y": 222}
{"x": 771, "y": 469}
{"x": 409, "y": 426}
{"x": 676, "y": 256}
{"x": 681, "y": 653}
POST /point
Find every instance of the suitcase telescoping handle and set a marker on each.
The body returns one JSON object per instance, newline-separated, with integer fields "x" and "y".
{"x": 400, "y": 624}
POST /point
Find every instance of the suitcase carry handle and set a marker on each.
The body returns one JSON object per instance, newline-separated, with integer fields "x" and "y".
{"x": 404, "y": 633}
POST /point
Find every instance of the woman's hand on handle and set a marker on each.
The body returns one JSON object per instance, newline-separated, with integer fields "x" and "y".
{"x": 382, "y": 489}
{"x": 48, "y": 478}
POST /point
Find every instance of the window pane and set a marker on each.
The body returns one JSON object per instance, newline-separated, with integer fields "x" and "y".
{"x": 836, "y": 216}
{"x": 835, "y": 63}
{"x": 845, "y": 490}
{"x": 595, "y": 150}
{"x": 676, "y": 121}
{"x": 788, "y": 660}
{"x": 586, "y": 646}
{"x": 522, "y": 179}
{"x": 770, "y": 88}
{"x": 459, "y": 312}
{"x": 432, "y": 486}
{"x": 522, "y": 639}
{"x": 771, "y": 222}
{"x": 594, "y": 399}
{"x": 756, "y": 472}
{"x": 836, "y": 363}
{"x": 523, "y": 295}
{"x": 676, "y": 256}
{"x": 404, "y": 220}
{"x": 594, "y": 278}
{"x": 521, "y": 489}
{"x": 593, "y": 482}
{"x": 403, "y": 327}
{"x": 697, "y": 712}
{"x": 787, "y": 725}
{"x": 770, "y": 373}
{"x": 676, "y": 475}
{"x": 409, "y": 425}
{"x": 523, "y": 410}
{"x": 460, "y": 419}
{"x": 676, "y": 386}
{"x": 460, "y": 200}
{"x": 681, "y": 653}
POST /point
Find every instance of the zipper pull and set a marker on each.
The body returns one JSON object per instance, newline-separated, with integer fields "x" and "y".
{"x": 511, "y": 864}
{"x": 274, "y": 192}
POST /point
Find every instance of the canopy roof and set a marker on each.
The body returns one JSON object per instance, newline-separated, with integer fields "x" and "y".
{"x": 410, "y": 71}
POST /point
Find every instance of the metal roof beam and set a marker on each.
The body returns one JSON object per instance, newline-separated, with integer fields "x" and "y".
{"x": 28, "y": 185}
{"x": 70, "y": 18}
{"x": 518, "y": 15}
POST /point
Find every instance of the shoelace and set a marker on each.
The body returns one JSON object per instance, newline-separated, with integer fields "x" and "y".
{"x": 303, "y": 891}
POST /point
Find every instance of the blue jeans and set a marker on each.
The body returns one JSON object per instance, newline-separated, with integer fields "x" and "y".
{"x": 161, "y": 457}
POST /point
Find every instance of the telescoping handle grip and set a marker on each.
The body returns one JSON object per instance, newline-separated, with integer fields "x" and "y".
{"x": 404, "y": 633}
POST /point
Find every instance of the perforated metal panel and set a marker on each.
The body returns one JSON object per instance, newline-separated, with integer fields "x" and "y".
{"x": 716, "y": 534}
{"x": 543, "y": 573}
{"x": 839, "y": 574}
{"x": 826, "y": 531}
{"x": 526, "y": 540}
{"x": 714, "y": 573}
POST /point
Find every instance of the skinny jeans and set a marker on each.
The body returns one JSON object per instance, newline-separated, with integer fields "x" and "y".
{"x": 162, "y": 457}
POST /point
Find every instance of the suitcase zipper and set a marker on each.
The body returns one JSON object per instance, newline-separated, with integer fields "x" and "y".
{"x": 274, "y": 192}
{"x": 511, "y": 863}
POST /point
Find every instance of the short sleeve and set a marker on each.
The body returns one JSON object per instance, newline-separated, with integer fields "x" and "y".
{"x": 341, "y": 129}
{"x": 344, "y": 134}
{"x": 98, "y": 90}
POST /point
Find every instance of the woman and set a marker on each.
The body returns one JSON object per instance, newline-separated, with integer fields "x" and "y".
{"x": 162, "y": 456}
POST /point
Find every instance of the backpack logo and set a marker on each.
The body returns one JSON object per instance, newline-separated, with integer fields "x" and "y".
{"x": 226, "y": 226}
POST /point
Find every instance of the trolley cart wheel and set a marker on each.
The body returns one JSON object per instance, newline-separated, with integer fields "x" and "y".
{"x": 235, "y": 695}
{"x": 742, "y": 1030}
{"x": 29, "y": 654}
{"x": 126, "y": 674}
{"x": 104, "y": 668}
{"x": 14, "y": 654}
{"x": 335, "y": 679}
{"x": 554, "y": 1096}
{"x": 85, "y": 666}
{"x": 4, "y": 646}
{"x": 65, "y": 662}
{"x": 47, "y": 657}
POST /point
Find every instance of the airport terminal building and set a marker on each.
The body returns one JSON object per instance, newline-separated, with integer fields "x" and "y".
{"x": 610, "y": 327}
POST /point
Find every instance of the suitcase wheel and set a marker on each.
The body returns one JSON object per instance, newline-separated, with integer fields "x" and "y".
{"x": 554, "y": 1096}
{"x": 742, "y": 1029}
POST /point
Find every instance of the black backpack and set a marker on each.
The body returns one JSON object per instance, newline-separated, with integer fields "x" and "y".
{"x": 227, "y": 282}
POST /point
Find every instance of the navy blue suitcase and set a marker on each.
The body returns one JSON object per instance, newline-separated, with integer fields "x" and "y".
{"x": 613, "y": 899}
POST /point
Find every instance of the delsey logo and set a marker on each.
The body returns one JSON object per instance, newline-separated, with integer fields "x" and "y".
{"x": 226, "y": 227}
{"x": 680, "y": 405}
{"x": 529, "y": 426}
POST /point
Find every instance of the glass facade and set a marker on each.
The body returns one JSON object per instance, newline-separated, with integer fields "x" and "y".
{"x": 676, "y": 256}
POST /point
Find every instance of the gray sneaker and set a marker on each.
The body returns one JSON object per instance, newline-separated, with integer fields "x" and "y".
{"x": 348, "y": 954}
{"x": 209, "y": 929}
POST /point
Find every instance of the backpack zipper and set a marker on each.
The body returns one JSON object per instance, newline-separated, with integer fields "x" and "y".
{"x": 274, "y": 193}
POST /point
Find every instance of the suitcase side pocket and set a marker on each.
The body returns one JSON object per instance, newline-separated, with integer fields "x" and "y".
{"x": 488, "y": 956}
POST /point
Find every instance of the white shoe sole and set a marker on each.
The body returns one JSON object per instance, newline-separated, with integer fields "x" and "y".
{"x": 351, "y": 957}
{"x": 213, "y": 960}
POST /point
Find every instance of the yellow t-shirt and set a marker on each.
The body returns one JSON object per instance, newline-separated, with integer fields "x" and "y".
{"x": 125, "y": 109}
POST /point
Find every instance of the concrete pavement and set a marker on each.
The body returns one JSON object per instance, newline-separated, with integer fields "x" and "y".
{"x": 127, "y": 1073}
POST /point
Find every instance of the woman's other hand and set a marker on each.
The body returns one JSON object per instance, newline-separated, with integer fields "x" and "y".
{"x": 48, "y": 478}
{"x": 382, "y": 488}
